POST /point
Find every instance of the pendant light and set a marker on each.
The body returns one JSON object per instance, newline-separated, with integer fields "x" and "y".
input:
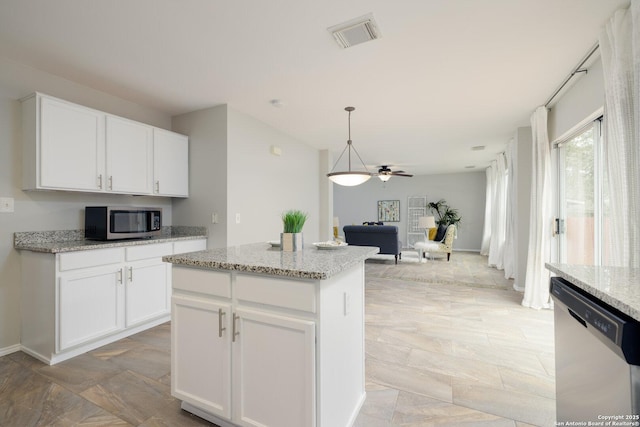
{"x": 349, "y": 178}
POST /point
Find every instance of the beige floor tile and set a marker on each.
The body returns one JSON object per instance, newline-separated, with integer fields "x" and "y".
{"x": 511, "y": 404}
{"x": 458, "y": 367}
{"x": 416, "y": 410}
{"x": 405, "y": 378}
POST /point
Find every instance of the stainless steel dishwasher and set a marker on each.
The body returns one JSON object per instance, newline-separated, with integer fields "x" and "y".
{"x": 597, "y": 356}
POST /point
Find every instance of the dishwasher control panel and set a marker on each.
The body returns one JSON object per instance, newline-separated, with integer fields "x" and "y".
{"x": 586, "y": 311}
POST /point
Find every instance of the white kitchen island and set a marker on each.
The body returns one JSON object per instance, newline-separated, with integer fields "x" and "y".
{"x": 262, "y": 337}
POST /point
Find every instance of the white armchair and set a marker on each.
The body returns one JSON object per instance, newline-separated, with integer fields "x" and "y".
{"x": 431, "y": 247}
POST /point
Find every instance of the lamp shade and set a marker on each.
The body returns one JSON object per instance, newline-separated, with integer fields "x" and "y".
{"x": 426, "y": 222}
{"x": 349, "y": 179}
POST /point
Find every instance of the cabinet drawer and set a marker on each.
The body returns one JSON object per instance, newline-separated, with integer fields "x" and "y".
{"x": 92, "y": 258}
{"x": 295, "y": 294}
{"x": 157, "y": 250}
{"x": 202, "y": 281}
{"x": 189, "y": 246}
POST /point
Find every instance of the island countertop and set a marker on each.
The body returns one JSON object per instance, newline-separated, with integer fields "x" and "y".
{"x": 310, "y": 263}
{"x": 617, "y": 286}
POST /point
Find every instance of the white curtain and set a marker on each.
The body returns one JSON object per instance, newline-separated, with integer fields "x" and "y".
{"x": 486, "y": 233}
{"x": 498, "y": 213}
{"x": 620, "y": 47}
{"x": 509, "y": 255}
{"x": 536, "y": 287}
{"x": 495, "y": 242}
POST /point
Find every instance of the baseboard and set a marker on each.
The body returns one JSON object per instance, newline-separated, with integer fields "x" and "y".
{"x": 11, "y": 349}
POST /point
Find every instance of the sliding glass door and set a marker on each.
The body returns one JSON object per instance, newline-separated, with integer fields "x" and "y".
{"x": 581, "y": 199}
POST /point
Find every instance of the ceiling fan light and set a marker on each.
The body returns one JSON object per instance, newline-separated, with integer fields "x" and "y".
{"x": 384, "y": 178}
{"x": 349, "y": 179}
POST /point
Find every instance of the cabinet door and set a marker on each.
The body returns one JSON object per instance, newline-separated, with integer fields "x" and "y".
{"x": 90, "y": 305}
{"x": 129, "y": 156}
{"x": 273, "y": 370}
{"x": 147, "y": 290}
{"x": 71, "y": 146}
{"x": 200, "y": 353}
{"x": 170, "y": 163}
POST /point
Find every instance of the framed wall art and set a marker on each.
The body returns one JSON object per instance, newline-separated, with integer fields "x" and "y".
{"x": 389, "y": 210}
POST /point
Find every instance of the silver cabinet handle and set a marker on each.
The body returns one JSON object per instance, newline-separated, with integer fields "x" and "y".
{"x": 110, "y": 182}
{"x": 220, "y": 322}
{"x": 234, "y": 332}
{"x": 130, "y": 274}
{"x": 157, "y": 186}
{"x": 100, "y": 181}
{"x": 119, "y": 276}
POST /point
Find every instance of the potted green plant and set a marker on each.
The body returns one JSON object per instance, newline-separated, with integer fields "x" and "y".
{"x": 291, "y": 237}
{"x": 445, "y": 214}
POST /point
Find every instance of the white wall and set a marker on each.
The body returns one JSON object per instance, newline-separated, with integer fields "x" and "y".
{"x": 261, "y": 186}
{"x": 463, "y": 191}
{"x": 207, "y": 130}
{"x": 46, "y": 210}
{"x": 232, "y": 171}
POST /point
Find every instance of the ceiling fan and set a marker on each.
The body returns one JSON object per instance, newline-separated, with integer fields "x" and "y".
{"x": 385, "y": 173}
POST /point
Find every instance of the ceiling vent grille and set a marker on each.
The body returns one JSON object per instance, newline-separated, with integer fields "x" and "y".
{"x": 355, "y": 31}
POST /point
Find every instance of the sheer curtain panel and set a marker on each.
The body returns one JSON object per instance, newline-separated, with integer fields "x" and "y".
{"x": 486, "y": 232}
{"x": 536, "y": 287}
{"x": 620, "y": 47}
{"x": 509, "y": 251}
{"x": 496, "y": 245}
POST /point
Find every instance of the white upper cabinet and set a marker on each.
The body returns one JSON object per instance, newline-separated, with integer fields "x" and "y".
{"x": 129, "y": 156}
{"x": 70, "y": 147}
{"x": 64, "y": 145}
{"x": 170, "y": 163}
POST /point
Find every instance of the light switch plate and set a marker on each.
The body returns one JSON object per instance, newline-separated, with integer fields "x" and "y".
{"x": 6, "y": 204}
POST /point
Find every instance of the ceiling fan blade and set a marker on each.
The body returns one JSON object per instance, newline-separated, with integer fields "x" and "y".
{"x": 401, "y": 174}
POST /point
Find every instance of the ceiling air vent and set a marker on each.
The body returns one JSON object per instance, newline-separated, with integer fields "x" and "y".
{"x": 355, "y": 31}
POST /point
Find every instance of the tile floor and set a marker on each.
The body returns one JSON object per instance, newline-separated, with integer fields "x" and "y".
{"x": 448, "y": 344}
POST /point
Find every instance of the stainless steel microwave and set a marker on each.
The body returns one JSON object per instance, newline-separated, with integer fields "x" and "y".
{"x": 118, "y": 222}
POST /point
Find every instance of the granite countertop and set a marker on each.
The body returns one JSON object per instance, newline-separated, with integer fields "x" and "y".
{"x": 617, "y": 286}
{"x": 310, "y": 263}
{"x": 73, "y": 240}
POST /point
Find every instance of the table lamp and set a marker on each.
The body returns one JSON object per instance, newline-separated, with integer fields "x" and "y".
{"x": 426, "y": 222}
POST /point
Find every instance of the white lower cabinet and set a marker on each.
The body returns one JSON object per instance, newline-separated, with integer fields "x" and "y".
{"x": 203, "y": 340}
{"x": 273, "y": 370}
{"x": 90, "y": 305}
{"x": 76, "y": 301}
{"x": 147, "y": 291}
{"x": 246, "y": 349}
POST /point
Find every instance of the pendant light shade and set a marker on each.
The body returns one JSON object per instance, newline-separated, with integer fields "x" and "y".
{"x": 350, "y": 177}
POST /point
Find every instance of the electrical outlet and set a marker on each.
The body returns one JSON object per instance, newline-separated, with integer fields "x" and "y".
{"x": 6, "y": 204}
{"x": 214, "y": 218}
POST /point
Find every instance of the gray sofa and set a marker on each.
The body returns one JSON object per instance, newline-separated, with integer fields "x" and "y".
{"x": 384, "y": 237}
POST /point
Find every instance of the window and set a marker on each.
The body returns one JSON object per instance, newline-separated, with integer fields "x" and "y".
{"x": 581, "y": 198}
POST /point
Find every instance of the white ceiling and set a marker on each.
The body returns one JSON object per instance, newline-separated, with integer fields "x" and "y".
{"x": 445, "y": 76}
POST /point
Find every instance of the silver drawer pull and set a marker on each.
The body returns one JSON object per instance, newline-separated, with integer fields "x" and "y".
{"x": 119, "y": 276}
{"x": 234, "y": 331}
{"x": 110, "y": 182}
{"x": 130, "y": 274}
{"x": 100, "y": 181}
{"x": 220, "y": 322}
